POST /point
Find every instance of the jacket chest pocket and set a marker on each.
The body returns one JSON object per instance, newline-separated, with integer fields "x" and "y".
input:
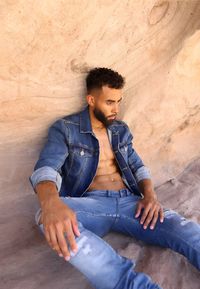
{"x": 79, "y": 162}
{"x": 81, "y": 152}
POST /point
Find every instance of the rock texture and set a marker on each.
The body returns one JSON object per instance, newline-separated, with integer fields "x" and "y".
{"x": 28, "y": 262}
{"x": 46, "y": 49}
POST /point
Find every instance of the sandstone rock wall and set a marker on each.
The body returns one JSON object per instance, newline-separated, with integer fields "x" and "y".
{"x": 46, "y": 49}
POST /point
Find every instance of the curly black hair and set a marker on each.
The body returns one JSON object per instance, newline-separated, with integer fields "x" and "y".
{"x": 100, "y": 76}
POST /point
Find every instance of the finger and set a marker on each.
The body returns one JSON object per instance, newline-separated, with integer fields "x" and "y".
{"x": 54, "y": 241}
{"x": 75, "y": 227}
{"x": 62, "y": 243}
{"x": 139, "y": 209}
{"x": 70, "y": 237}
{"x": 47, "y": 236}
{"x": 161, "y": 215}
{"x": 145, "y": 213}
{"x": 149, "y": 217}
{"x": 154, "y": 221}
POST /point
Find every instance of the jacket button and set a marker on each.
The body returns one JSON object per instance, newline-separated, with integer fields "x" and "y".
{"x": 82, "y": 153}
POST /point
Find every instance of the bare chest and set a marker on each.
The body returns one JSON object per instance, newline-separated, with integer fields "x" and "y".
{"x": 106, "y": 152}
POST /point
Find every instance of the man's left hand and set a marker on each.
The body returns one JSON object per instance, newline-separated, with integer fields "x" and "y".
{"x": 152, "y": 210}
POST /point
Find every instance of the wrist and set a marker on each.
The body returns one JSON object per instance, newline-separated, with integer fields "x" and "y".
{"x": 146, "y": 188}
{"x": 149, "y": 194}
{"x": 49, "y": 202}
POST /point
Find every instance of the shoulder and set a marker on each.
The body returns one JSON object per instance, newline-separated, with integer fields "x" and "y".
{"x": 73, "y": 118}
{"x": 120, "y": 125}
{"x": 123, "y": 130}
{"x": 67, "y": 119}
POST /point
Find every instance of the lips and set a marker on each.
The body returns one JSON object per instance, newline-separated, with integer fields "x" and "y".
{"x": 112, "y": 116}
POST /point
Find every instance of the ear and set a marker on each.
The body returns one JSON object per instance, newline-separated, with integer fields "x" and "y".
{"x": 90, "y": 100}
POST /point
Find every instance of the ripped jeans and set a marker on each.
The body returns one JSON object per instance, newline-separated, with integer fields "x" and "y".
{"x": 99, "y": 212}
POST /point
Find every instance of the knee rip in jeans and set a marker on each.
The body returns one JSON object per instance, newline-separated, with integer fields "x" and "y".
{"x": 168, "y": 212}
{"x": 83, "y": 244}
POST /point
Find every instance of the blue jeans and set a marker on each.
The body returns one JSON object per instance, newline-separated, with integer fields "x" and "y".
{"x": 99, "y": 212}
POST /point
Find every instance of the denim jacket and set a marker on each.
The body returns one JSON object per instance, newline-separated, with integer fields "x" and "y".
{"x": 71, "y": 154}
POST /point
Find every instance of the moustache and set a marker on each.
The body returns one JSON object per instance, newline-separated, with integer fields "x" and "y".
{"x": 113, "y": 115}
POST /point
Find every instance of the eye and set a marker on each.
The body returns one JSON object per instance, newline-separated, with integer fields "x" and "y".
{"x": 109, "y": 102}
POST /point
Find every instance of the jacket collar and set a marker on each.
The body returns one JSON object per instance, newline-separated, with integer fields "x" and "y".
{"x": 85, "y": 123}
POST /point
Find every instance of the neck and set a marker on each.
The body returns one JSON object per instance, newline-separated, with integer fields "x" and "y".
{"x": 95, "y": 123}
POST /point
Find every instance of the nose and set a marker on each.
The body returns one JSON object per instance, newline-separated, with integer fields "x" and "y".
{"x": 115, "y": 108}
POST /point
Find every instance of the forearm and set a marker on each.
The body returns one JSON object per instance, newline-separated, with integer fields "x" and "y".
{"x": 146, "y": 188}
{"x": 47, "y": 192}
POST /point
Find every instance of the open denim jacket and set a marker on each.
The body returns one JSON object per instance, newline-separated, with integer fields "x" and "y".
{"x": 71, "y": 154}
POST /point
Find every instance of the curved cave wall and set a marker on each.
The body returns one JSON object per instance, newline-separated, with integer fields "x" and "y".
{"x": 46, "y": 50}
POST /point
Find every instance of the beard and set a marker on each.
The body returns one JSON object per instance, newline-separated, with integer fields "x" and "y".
{"x": 102, "y": 118}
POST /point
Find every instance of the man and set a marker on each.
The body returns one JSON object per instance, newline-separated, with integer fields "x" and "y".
{"x": 90, "y": 181}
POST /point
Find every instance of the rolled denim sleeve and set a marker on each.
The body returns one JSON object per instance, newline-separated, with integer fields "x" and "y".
{"x": 52, "y": 156}
{"x": 139, "y": 170}
{"x": 142, "y": 173}
{"x": 46, "y": 174}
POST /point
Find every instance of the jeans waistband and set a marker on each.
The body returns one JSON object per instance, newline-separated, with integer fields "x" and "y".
{"x": 109, "y": 193}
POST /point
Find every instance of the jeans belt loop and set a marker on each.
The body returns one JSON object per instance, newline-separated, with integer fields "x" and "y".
{"x": 108, "y": 193}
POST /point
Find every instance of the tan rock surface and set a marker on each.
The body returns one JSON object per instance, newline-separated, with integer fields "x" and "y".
{"x": 46, "y": 48}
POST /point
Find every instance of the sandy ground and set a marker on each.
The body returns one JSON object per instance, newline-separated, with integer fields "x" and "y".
{"x": 28, "y": 262}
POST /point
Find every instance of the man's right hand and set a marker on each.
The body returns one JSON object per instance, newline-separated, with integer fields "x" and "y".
{"x": 59, "y": 221}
